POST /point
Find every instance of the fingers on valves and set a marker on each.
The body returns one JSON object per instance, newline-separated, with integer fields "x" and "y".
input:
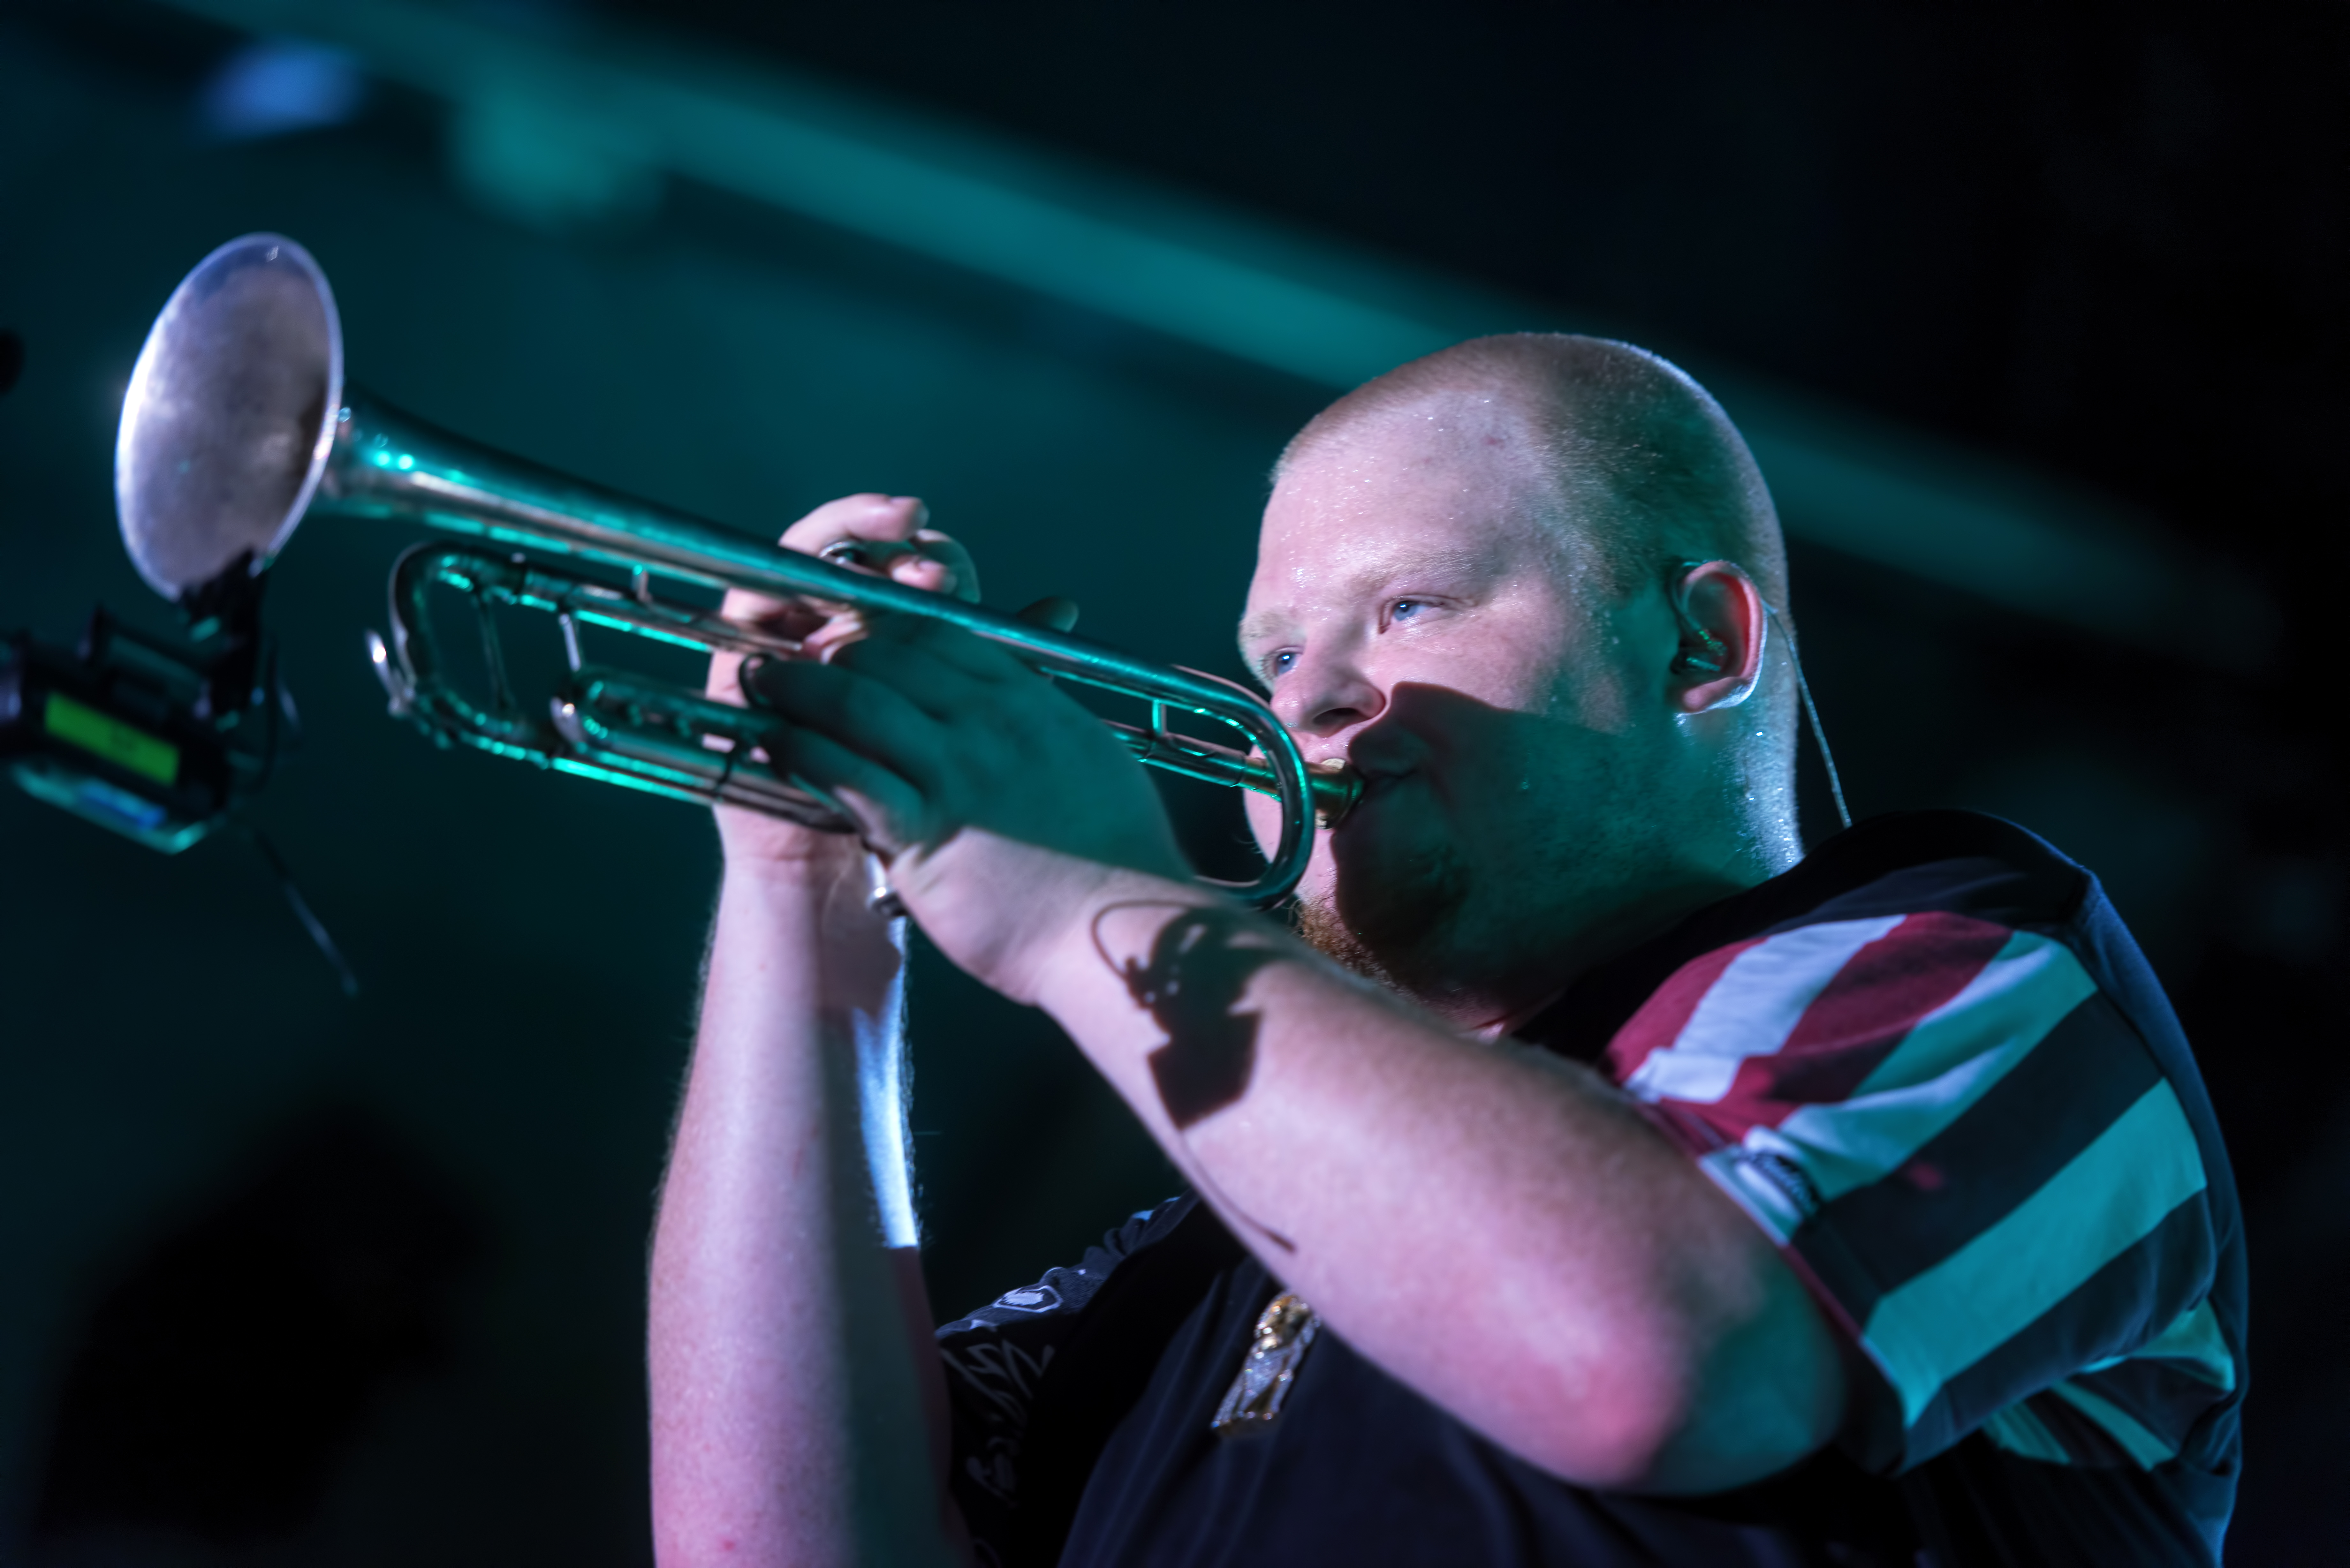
{"x": 889, "y": 813}
{"x": 870, "y": 718}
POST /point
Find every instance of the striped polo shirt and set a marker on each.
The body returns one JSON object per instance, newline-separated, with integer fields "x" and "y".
{"x": 1932, "y": 1067}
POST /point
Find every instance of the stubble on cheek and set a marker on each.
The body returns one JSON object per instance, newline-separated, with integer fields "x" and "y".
{"x": 1319, "y": 926}
{"x": 1392, "y": 928}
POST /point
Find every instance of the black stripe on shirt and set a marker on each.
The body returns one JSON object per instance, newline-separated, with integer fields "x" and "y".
{"x": 2163, "y": 1396}
{"x": 2049, "y": 1108}
{"x": 2120, "y": 1307}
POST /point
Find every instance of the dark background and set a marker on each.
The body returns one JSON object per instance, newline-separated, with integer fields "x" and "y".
{"x": 295, "y": 1279}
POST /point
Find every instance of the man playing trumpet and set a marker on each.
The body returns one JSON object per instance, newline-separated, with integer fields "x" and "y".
{"x": 1588, "y": 1176}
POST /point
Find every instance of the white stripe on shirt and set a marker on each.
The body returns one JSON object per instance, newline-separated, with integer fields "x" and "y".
{"x": 1947, "y": 1064}
{"x": 1752, "y": 1008}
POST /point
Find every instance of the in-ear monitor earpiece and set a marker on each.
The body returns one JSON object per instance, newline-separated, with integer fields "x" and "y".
{"x": 1688, "y": 661}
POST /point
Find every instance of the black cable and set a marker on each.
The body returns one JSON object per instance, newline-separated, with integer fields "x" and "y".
{"x": 302, "y": 911}
{"x": 1802, "y": 687}
{"x": 1812, "y": 712}
{"x": 1820, "y": 737}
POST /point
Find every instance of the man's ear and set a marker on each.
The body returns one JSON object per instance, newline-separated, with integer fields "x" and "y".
{"x": 1719, "y": 611}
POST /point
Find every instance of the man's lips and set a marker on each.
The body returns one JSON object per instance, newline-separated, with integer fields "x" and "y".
{"x": 1377, "y": 784}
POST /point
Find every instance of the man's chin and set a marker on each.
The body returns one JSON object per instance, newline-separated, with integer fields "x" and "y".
{"x": 1319, "y": 925}
{"x": 1394, "y": 934}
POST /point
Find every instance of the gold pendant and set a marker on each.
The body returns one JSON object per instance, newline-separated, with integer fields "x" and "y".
{"x": 1282, "y": 1332}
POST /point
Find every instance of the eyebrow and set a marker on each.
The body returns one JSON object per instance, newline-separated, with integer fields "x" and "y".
{"x": 1257, "y": 627}
{"x": 1440, "y": 558}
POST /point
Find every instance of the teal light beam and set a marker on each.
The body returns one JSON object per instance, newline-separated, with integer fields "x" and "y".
{"x": 615, "y": 109}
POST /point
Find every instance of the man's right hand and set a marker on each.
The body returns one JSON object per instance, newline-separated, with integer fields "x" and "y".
{"x": 896, "y": 547}
{"x": 796, "y": 1386}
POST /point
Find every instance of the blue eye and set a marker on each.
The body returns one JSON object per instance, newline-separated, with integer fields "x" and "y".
{"x": 1404, "y": 610}
{"x": 1280, "y": 662}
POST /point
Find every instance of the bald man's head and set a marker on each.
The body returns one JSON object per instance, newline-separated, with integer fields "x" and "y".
{"x": 1517, "y": 511}
{"x": 1640, "y": 464}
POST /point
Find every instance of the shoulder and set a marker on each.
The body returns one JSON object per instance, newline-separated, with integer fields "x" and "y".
{"x": 1959, "y": 874}
{"x": 1908, "y": 948}
{"x": 1932, "y": 1064}
{"x": 1898, "y": 917}
{"x": 1876, "y": 945}
{"x": 1955, "y": 862}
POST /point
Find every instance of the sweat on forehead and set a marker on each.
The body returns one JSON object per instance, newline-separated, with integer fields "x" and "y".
{"x": 1477, "y": 436}
{"x": 1642, "y": 464}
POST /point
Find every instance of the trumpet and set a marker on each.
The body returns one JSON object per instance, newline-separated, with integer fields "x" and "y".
{"x": 238, "y": 423}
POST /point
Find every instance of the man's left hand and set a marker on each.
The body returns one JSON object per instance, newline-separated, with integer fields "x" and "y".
{"x": 997, "y": 802}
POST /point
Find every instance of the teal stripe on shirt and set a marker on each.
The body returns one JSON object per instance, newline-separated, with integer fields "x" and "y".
{"x": 2019, "y": 1431}
{"x": 2122, "y": 1427}
{"x": 1955, "y": 1056}
{"x": 2103, "y": 1202}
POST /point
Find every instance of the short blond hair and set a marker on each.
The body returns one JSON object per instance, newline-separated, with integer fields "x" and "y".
{"x": 1644, "y": 467}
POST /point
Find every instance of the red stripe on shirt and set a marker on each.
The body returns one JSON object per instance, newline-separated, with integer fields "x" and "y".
{"x": 1864, "y": 1014}
{"x": 1667, "y": 1012}
{"x": 1858, "y": 1019}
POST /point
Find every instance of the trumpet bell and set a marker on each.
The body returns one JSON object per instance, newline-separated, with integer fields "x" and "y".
{"x": 230, "y": 415}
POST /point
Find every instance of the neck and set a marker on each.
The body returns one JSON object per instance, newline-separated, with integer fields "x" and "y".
{"x": 1540, "y": 958}
{"x": 1486, "y": 970}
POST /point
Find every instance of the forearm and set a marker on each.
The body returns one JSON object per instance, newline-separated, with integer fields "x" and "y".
{"x": 1498, "y": 1228}
{"x": 788, "y": 1352}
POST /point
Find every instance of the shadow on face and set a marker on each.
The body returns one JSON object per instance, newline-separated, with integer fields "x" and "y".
{"x": 1483, "y": 830}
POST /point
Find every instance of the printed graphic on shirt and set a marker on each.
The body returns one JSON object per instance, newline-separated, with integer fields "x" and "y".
{"x": 1035, "y": 1298}
{"x": 1004, "y": 1376}
{"x": 997, "y": 1357}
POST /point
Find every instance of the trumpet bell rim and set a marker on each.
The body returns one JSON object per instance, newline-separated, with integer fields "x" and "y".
{"x": 230, "y": 415}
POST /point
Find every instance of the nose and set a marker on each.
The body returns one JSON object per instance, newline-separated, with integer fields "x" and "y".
{"x": 1325, "y": 694}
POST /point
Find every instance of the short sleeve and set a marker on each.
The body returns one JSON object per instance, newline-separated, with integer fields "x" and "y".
{"x": 1975, "y": 1161}
{"x": 995, "y": 1360}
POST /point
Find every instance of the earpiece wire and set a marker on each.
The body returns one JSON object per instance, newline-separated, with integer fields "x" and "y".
{"x": 1811, "y": 714}
{"x": 1802, "y": 689}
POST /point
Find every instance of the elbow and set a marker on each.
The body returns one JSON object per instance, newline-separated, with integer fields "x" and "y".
{"x": 1619, "y": 1422}
{"x": 1688, "y": 1404}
